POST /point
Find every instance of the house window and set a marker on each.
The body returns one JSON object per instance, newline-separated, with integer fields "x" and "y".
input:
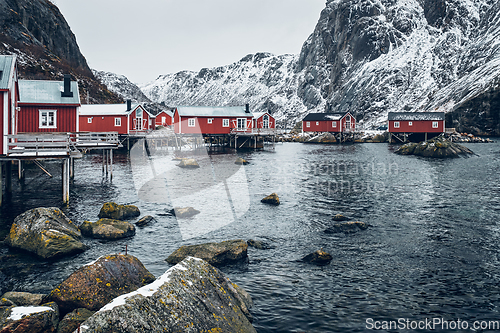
{"x": 225, "y": 122}
{"x": 118, "y": 121}
{"x": 396, "y": 124}
{"x": 435, "y": 124}
{"x": 191, "y": 122}
{"x": 47, "y": 119}
{"x": 138, "y": 113}
{"x": 410, "y": 123}
{"x": 209, "y": 120}
{"x": 334, "y": 124}
{"x": 308, "y": 124}
{"x": 317, "y": 123}
{"x": 163, "y": 120}
{"x": 89, "y": 120}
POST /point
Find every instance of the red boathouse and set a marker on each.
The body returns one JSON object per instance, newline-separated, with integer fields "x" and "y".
{"x": 164, "y": 118}
{"x": 8, "y": 101}
{"x": 263, "y": 120}
{"x": 410, "y": 123}
{"x": 329, "y": 122}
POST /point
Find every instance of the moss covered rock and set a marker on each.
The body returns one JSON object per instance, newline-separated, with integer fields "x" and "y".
{"x": 217, "y": 254}
{"x": 47, "y": 232}
{"x": 108, "y": 229}
{"x": 72, "y": 320}
{"x": 438, "y": 147}
{"x": 241, "y": 161}
{"x": 319, "y": 258}
{"x": 347, "y": 227}
{"x": 94, "y": 285}
{"x": 23, "y": 298}
{"x": 111, "y": 210}
{"x": 188, "y": 163}
{"x": 190, "y": 297}
{"x": 271, "y": 199}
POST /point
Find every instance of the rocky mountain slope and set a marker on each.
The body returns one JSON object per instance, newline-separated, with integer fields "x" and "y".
{"x": 38, "y": 34}
{"x": 369, "y": 57}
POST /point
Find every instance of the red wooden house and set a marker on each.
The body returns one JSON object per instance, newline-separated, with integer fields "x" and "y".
{"x": 415, "y": 124}
{"x": 8, "y": 100}
{"x": 48, "y": 106}
{"x": 263, "y": 120}
{"x": 329, "y": 122}
{"x": 212, "y": 120}
{"x": 164, "y": 118}
{"x": 122, "y": 118}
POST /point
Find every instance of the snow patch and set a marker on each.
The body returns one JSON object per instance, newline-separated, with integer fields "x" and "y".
{"x": 19, "y": 312}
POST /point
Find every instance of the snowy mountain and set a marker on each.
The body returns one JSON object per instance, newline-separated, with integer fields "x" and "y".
{"x": 122, "y": 86}
{"x": 370, "y": 57}
{"x": 265, "y": 81}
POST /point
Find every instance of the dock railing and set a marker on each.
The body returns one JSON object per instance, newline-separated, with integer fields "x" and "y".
{"x": 39, "y": 144}
{"x": 94, "y": 139}
{"x": 254, "y": 131}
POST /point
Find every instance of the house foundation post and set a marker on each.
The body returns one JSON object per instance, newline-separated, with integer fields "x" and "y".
{"x": 8, "y": 177}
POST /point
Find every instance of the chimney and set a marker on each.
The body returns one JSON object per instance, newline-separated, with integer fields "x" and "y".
{"x": 129, "y": 104}
{"x": 67, "y": 86}
{"x": 247, "y": 108}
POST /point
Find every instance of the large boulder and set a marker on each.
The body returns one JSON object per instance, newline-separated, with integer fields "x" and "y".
{"x": 32, "y": 319}
{"x": 190, "y": 297}
{"x": 216, "y": 254}
{"x": 94, "y": 285}
{"x": 323, "y": 138}
{"x": 271, "y": 199}
{"x": 145, "y": 221}
{"x": 111, "y": 210}
{"x": 47, "y": 232}
{"x": 72, "y": 320}
{"x": 23, "y": 298}
{"x": 437, "y": 147}
{"x": 108, "y": 229}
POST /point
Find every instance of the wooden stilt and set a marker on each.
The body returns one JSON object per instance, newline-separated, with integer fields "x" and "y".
{"x": 72, "y": 168}
{"x": 425, "y": 136}
{"x": 8, "y": 177}
{"x": 111, "y": 163}
{"x": 103, "y": 159}
{"x": 1, "y": 183}
{"x": 20, "y": 170}
{"x": 65, "y": 180}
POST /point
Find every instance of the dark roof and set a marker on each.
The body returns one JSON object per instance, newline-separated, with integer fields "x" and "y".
{"x": 324, "y": 116}
{"x": 416, "y": 116}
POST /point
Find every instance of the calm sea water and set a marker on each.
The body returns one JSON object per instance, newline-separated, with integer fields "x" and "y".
{"x": 432, "y": 250}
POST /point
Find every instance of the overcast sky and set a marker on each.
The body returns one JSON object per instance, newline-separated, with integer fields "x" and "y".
{"x": 147, "y": 38}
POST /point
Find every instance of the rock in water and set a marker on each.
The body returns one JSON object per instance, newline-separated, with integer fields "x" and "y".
{"x": 46, "y": 232}
{"x": 30, "y": 319}
{"x": 184, "y": 212}
{"x": 340, "y": 217}
{"x": 190, "y": 297}
{"x": 216, "y": 254}
{"x": 22, "y": 298}
{"x": 323, "y": 138}
{"x": 107, "y": 229}
{"x": 188, "y": 163}
{"x": 319, "y": 257}
{"x": 111, "y": 210}
{"x": 272, "y": 199}
{"x": 145, "y": 221}
{"x": 72, "y": 320}
{"x": 347, "y": 227}
{"x": 437, "y": 147}
{"x": 241, "y": 161}
{"x": 94, "y": 285}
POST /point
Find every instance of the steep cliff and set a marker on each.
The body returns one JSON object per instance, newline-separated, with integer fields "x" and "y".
{"x": 38, "y": 34}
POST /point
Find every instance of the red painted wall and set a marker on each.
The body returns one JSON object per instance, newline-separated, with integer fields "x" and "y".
{"x": 327, "y": 126}
{"x": 2, "y": 94}
{"x": 168, "y": 119}
{"x": 420, "y": 126}
{"x": 260, "y": 122}
{"x": 103, "y": 124}
{"x": 29, "y": 119}
{"x": 145, "y": 121}
{"x": 203, "y": 127}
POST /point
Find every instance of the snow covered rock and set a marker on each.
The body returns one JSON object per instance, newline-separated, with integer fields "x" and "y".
{"x": 94, "y": 285}
{"x": 47, "y": 232}
{"x": 192, "y": 296}
{"x": 32, "y": 319}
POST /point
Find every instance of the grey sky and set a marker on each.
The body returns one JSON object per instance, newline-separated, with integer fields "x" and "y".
{"x": 144, "y": 39}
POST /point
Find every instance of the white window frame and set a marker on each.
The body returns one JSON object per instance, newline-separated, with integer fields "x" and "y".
{"x": 396, "y": 124}
{"x": 435, "y": 124}
{"x": 317, "y": 123}
{"x": 308, "y": 124}
{"x": 118, "y": 122}
{"x": 410, "y": 123}
{"x": 89, "y": 120}
{"x": 45, "y": 124}
{"x": 191, "y": 122}
{"x": 334, "y": 124}
{"x": 209, "y": 120}
{"x": 163, "y": 120}
{"x": 225, "y": 122}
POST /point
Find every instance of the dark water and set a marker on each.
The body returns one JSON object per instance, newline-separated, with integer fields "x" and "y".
{"x": 432, "y": 250}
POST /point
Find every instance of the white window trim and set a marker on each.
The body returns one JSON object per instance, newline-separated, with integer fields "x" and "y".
{"x": 435, "y": 124}
{"x": 225, "y": 122}
{"x": 334, "y": 124}
{"x": 317, "y": 123}
{"x": 163, "y": 120}
{"x": 40, "y": 125}
{"x": 396, "y": 124}
{"x": 308, "y": 124}
{"x": 118, "y": 122}
{"x": 209, "y": 120}
{"x": 410, "y": 123}
{"x": 89, "y": 120}
{"x": 191, "y": 122}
